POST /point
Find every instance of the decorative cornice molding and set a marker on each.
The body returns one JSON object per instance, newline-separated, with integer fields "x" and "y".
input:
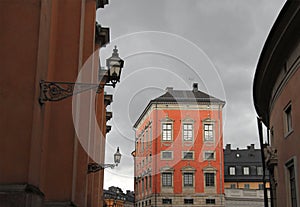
{"x": 108, "y": 115}
{"x": 102, "y": 36}
{"x": 108, "y": 98}
{"x": 101, "y": 3}
{"x": 108, "y": 128}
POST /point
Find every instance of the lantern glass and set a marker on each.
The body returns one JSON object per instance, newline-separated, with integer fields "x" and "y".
{"x": 114, "y": 66}
{"x": 117, "y": 156}
{"x": 114, "y": 71}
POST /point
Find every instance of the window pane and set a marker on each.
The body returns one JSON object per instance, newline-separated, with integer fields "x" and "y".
{"x": 293, "y": 192}
{"x": 231, "y": 170}
{"x": 188, "y": 179}
{"x": 166, "y": 179}
{"x": 209, "y": 155}
{"x": 288, "y": 116}
{"x": 167, "y": 201}
{"x": 188, "y": 155}
{"x": 187, "y": 132}
{"x": 259, "y": 171}
{"x": 210, "y": 201}
{"x": 167, "y": 132}
{"x": 246, "y": 170}
{"x": 209, "y": 179}
{"x": 167, "y": 155}
{"x": 208, "y": 132}
{"x": 188, "y": 201}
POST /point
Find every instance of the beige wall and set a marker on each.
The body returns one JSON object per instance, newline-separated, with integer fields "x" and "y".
{"x": 240, "y": 185}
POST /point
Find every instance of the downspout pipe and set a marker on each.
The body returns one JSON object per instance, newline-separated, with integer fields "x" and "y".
{"x": 261, "y": 141}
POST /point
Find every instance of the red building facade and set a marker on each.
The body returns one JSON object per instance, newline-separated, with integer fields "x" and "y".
{"x": 178, "y": 153}
{"x": 42, "y": 161}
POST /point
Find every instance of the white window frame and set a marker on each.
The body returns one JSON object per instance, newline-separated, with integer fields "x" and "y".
{"x": 214, "y": 182}
{"x": 232, "y": 170}
{"x": 166, "y": 181}
{"x": 187, "y": 130}
{"x": 208, "y": 122}
{"x": 184, "y": 179}
{"x": 165, "y": 137}
{"x": 246, "y": 170}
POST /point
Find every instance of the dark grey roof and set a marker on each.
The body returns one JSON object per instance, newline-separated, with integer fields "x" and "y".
{"x": 111, "y": 193}
{"x": 193, "y": 96}
{"x": 240, "y": 158}
{"x": 186, "y": 96}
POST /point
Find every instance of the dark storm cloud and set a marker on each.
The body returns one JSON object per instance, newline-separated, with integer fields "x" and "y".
{"x": 230, "y": 32}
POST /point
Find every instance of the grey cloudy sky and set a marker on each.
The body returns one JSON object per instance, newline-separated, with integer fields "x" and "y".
{"x": 174, "y": 43}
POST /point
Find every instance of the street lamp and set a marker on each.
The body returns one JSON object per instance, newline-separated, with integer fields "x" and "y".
{"x": 56, "y": 91}
{"x": 116, "y": 197}
{"x": 114, "y": 65}
{"x": 95, "y": 167}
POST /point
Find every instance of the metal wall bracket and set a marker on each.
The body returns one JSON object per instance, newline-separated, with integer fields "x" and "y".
{"x": 56, "y": 91}
{"x": 94, "y": 167}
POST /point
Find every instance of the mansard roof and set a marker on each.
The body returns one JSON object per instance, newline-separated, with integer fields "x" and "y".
{"x": 193, "y": 96}
{"x": 186, "y": 96}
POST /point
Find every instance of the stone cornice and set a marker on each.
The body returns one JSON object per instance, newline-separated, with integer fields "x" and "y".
{"x": 101, "y": 3}
{"x": 102, "y": 36}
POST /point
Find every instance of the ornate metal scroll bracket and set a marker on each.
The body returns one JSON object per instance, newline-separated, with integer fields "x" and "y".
{"x": 94, "y": 167}
{"x": 56, "y": 91}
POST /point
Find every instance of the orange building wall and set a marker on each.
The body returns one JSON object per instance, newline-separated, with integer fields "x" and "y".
{"x": 45, "y": 40}
{"x": 241, "y": 185}
{"x": 155, "y": 116}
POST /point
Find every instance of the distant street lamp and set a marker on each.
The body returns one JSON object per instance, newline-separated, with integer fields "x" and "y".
{"x": 95, "y": 167}
{"x": 116, "y": 197}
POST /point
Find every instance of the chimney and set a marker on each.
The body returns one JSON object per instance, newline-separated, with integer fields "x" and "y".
{"x": 228, "y": 147}
{"x": 168, "y": 89}
{"x": 252, "y": 147}
{"x": 195, "y": 87}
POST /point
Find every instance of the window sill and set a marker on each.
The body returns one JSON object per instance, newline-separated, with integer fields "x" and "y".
{"x": 287, "y": 134}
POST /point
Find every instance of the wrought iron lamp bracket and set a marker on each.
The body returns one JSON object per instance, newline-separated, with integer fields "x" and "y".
{"x": 95, "y": 167}
{"x": 56, "y": 91}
